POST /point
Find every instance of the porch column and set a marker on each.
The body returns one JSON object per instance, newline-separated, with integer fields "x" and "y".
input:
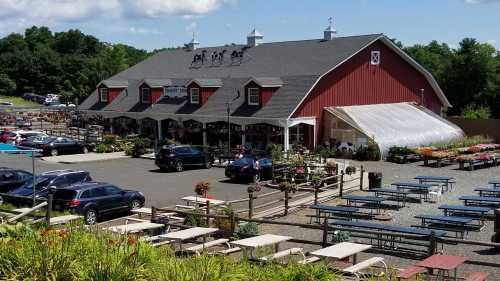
{"x": 243, "y": 136}
{"x": 314, "y": 135}
{"x": 204, "y": 134}
{"x": 158, "y": 123}
{"x": 286, "y": 137}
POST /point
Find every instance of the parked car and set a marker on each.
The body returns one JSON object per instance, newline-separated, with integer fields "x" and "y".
{"x": 93, "y": 200}
{"x": 34, "y": 141}
{"x": 6, "y": 103}
{"x": 249, "y": 168}
{"x": 59, "y": 145}
{"x": 7, "y": 136}
{"x": 16, "y": 137}
{"x": 13, "y": 178}
{"x": 178, "y": 157}
{"x": 57, "y": 179}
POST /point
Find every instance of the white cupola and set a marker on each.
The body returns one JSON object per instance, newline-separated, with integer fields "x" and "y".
{"x": 329, "y": 32}
{"x": 193, "y": 44}
{"x": 254, "y": 38}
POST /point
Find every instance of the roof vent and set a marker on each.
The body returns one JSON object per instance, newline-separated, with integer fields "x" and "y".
{"x": 254, "y": 39}
{"x": 329, "y": 32}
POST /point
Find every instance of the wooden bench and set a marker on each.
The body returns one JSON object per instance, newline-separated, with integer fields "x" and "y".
{"x": 281, "y": 254}
{"x": 477, "y": 276}
{"x": 228, "y": 251}
{"x": 357, "y": 268}
{"x": 309, "y": 260}
{"x": 410, "y": 272}
{"x": 201, "y": 247}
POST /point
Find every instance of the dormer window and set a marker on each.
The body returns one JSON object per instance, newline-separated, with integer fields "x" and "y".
{"x": 194, "y": 94}
{"x": 103, "y": 94}
{"x": 145, "y": 95}
{"x": 253, "y": 96}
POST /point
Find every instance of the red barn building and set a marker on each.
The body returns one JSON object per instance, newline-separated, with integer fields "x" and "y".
{"x": 270, "y": 92}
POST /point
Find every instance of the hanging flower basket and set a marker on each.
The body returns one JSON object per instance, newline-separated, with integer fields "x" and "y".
{"x": 202, "y": 188}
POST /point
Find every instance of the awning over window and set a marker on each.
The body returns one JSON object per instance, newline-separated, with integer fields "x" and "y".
{"x": 398, "y": 124}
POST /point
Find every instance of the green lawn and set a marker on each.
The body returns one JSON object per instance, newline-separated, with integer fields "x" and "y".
{"x": 17, "y": 101}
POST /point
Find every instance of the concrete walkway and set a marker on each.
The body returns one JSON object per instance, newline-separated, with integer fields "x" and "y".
{"x": 82, "y": 158}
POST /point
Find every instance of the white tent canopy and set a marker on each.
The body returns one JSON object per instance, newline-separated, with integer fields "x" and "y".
{"x": 398, "y": 124}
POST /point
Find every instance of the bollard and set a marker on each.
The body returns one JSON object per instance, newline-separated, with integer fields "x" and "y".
{"x": 286, "y": 202}
{"x": 232, "y": 220}
{"x": 325, "y": 233}
{"x": 208, "y": 213}
{"x": 432, "y": 244}
{"x": 341, "y": 188}
{"x": 250, "y": 205}
{"x": 48, "y": 214}
{"x": 316, "y": 190}
{"x": 361, "y": 178}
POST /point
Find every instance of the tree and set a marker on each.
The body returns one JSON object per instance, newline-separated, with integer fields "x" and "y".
{"x": 7, "y": 85}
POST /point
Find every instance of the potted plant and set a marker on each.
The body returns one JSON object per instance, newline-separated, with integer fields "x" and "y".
{"x": 224, "y": 224}
{"x": 331, "y": 167}
{"x": 288, "y": 186}
{"x": 350, "y": 170}
{"x": 202, "y": 188}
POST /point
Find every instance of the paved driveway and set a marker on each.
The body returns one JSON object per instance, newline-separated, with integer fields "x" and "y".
{"x": 160, "y": 189}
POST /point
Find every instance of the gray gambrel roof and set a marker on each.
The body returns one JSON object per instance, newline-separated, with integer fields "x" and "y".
{"x": 294, "y": 66}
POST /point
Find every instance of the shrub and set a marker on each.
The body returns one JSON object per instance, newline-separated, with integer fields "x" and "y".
{"x": 195, "y": 219}
{"x": 103, "y": 148}
{"x": 276, "y": 152}
{"x": 138, "y": 147}
{"x": 476, "y": 112}
{"x": 247, "y": 230}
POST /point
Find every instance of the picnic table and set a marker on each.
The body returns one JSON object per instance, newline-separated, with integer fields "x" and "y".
{"x": 341, "y": 251}
{"x": 495, "y": 183}
{"x": 134, "y": 227}
{"x": 471, "y": 211}
{"x": 448, "y": 181}
{"x": 354, "y": 199}
{"x": 448, "y": 223}
{"x": 252, "y": 243}
{"x": 399, "y": 195}
{"x": 419, "y": 188}
{"x": 188, "y": 234}
{"x": 333, "y": 210}
{"x": 443, "y": 263}
{"x": 197, "y": 201}
{"x": 488, "y": 192}
{"x": 480, "y": 200}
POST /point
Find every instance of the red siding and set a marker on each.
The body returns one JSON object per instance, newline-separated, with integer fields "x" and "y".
{"x": 205, "y": 93}
{"x": 357, "y": 82}
{"x": 156, "y": 94}
{"x": 113, "y": 93}
{"x": 266, "y": 94}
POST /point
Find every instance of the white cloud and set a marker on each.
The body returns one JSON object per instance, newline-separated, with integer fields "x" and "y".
{"x": 18, "y": 14}
{"x": 143, "y": 31}
{"x": 191, "y": 27}
{"x": 480, "y": 1}
{"x": 491, "y": 41}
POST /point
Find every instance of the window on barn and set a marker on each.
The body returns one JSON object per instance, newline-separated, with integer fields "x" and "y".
{"x": 146, "y": 95}
{"x": 103, "y": 94}
{"x": 195, "y": 95}
{"x": 375, "y": 59}
{"x": 253, "y": 96}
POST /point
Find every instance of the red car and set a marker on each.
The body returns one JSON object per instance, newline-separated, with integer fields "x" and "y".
{"x": 7, "y": 136}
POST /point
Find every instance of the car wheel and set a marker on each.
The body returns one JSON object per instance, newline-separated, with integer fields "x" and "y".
{"x": 179, "y": 167}
{"x": 135, "y": 204}
{"x": 54, "y": 152}
{"x": 85, "y": 150}
{"x": 91, "y": 216}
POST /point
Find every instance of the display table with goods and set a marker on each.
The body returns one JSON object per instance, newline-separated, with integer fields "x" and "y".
{"x": 482, "y": 159}
{"x": 440, "y": 156}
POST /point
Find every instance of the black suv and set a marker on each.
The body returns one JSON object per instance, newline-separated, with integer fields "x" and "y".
{"x": 12, "y": 178}
{"x": 57, "y": 179}
{"x": 178, "y": 157}
{"x": 95, "y": 199}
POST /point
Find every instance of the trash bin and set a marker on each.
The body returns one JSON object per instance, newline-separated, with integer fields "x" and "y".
{"x": 374, "y": 180}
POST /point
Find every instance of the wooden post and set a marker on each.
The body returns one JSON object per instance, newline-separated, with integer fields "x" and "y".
{"x": 250, "y": 205}
{"x": 286, "y": 202}
{"x": 48, "y": 214}
{"x": 153, "y": 213}
{"x": 232, "y": 220}
{"x": 362, "y": 172}
{"x": 325, "y": 233}
{"x": 432, "y": 244}
{"x": 208, "y": 213}
{"x": 341, "y": 188}
{"x": 316, "y": 191}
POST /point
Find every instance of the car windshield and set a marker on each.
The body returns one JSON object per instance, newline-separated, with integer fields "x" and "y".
{"x": 41, "y": 182}
{"x": 64, "y": 194}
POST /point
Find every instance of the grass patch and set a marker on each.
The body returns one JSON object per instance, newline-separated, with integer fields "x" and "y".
{"x": 18, "y": 101}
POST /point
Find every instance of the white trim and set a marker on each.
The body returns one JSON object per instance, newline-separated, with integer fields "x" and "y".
{"x": 195, "y": 80}
{"x": 254, "y": 79}
{"x": 191, "y": 92}
{"x": 248, "y": 96}
{"x": 142, "y": 95}
{"x": 395, "y": 48}
{"x": 107, "y": 94}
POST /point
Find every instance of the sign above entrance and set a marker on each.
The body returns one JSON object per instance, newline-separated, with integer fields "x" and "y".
{"x": 175, "y": 92}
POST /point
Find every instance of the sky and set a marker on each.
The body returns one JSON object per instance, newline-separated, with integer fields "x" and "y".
{"x": 152, "y": 24}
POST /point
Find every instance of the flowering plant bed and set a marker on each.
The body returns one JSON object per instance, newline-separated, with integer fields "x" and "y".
{"x": 484, "y": 159}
